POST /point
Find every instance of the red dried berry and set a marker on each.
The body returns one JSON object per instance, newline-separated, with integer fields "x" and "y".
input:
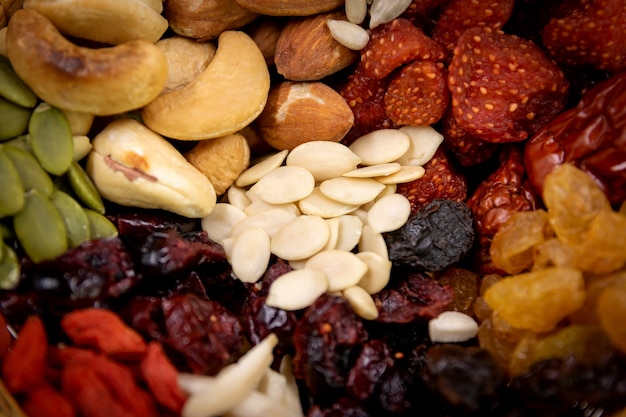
{"x": 162, "y": 378}
{"x": 418, "y": 94}
{"x": 467, "y": 149}
{"x": 460, "y": 15}
{"x": 397, "y": 43}
{"x": 440, "y": 180}
{"x": 45, "y": 401}
{"x": 592, "y": 32}
{"x": 502, "y": 193}
{"x": 503, "y": 88}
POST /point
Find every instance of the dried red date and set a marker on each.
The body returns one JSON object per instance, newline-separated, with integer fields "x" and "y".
{"x": 591, "y": 136}
{"x": 503, "y": 88}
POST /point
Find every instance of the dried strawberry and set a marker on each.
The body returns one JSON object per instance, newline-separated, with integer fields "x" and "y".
{"x": 460, "y": 15}
{"x": 503, "y": 88}
{"x": 418, "y": 94}
{"x": 397, "y": 43}
{"x": 24, "y": 365}
{"x": 592, "y": 32}
{"x": 365, "y": 96}
{"x": 440, "y": 180}
{"x": 467, "y": 149}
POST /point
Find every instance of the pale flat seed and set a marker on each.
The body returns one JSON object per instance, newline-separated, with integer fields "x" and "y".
{"x": 378, "y": 272}
{"x": 355, "y": 191}
{"x": 373, "y": 171}
{"x": 270, "y": 221}
{"x": 298, "y": 264}
{"x": 301, "y": 238}
{"x": 389, "y": 213}
{"x": 333, "y": 228}
{"x": 298, "y": 289}
{"x": 227, "y": 244}
{"x": 361, "y": 213}
{"x": 220, "y": 222}
{"x": 285, "y": 184}
{"x": 407, "y": 173}
{"x": 349, "y": 34}
{"x": 343, "y": 269}
{"x": 349, "y": 232}
{"x": 383, "y": 11}
{"x": 424, "y": 142}
{"x": 237, "y": 197}
{"x": 356, "y": 10}
{"x": 260, "y": 206}
{"x": 372, "y": 241}
{"x": 381, "y": 146}
{"x": 258, "y": 170}
{"x": 361, "y": 302}
{"x": 250, "y": 254}
{"x": 319, "y": 205}
{"x": 323, "y": 159}
{"x": 388, "y": 190}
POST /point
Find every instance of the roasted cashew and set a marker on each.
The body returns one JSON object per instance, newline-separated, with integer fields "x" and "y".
{"x": 229, "y": 94}
{"x": 98, "y": 81}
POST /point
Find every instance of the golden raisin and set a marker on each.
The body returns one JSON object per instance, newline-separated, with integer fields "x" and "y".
{"x": 538, "y": 300}
{"x": 604, "y": 248}
{"x": 595, "y": 286}
{"x": 465, "y": 286}
{"x": 611, "y": 310}
{"x": 553, "y": 252}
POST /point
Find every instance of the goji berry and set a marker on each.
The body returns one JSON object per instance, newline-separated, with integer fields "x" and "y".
{"x": 89, "y": 395}
{"x": 503, "y": 88}
{"x": 418, "y": 94}
{"x": 590, "y": 32}
{"x": 162, "y": 378}
{"x": 397, "y": 43}
{"x": 45, "y": 401}
{"x": 460, "y": 15}
{"x": 440, "y": 180}
{"x": 23, "y": 367}
{"x": 104, "y": 331}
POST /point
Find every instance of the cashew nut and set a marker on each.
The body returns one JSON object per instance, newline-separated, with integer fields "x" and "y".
{"x": 229, "y": 94}
{"x": 99, "y": 81}
{"x": 107, "y": 21}
{"x": 133, "y": 166}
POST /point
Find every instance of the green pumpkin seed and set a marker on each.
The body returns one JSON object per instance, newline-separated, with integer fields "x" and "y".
{"x": 13, "y": 88}
{"x": 6, "y": 231}
{"x": 13, "y": 119}
{"x": 51, "y": 139}
{"x": 11, "y": 189}
{"x": 9, "y": 268}
{"x": 31, "y": 173}
{"x": 77, "y": 226}
{"x": 84, "y": 187}
{"x": 22, "y": 142}
{"x": 100, "y": 226}
{"x": 39, "y": 228}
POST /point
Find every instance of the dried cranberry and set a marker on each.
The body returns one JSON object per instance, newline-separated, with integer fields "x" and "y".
{"x": 373, "y": 361}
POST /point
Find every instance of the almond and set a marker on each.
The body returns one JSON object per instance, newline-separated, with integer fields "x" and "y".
{"x": 290, "y": 7}
{"x": 299, "y": 112}
{"x": 307, "y": 51}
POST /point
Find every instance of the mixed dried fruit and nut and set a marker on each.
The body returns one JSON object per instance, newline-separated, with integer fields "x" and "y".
{"x": 329, "y": 208}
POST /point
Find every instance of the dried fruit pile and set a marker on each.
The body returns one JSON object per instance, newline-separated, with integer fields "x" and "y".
{"x": 516, "y": 224}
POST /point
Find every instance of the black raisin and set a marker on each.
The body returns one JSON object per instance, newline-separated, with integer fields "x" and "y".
{"x": 437, "y": 236}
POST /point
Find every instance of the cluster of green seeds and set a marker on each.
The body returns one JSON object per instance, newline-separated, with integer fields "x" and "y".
{"x": 48, "y": 203}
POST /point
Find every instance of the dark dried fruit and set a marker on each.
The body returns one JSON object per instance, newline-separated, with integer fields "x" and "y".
{"x": 412, "y": 298}
{"x": 343, "y": 407}
{"x": 467, "y": 149}
{"x": 373, "y": 361}
{"x": 437, "y": 236}
{"x": 503, "y": 88}
{"x": 326, "y": 338}
{"x": 589, "y": 32}
{"x": 440, "y": 180}
{"x": 397, "y": 43}
{"x": 418, "y": 94}
{"x": 592, "y": 136}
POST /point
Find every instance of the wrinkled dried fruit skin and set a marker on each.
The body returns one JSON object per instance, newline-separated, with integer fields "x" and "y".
{"x": 413, "y": 298}
{"x": 437, "y": 236}
{"x": 503, "y": 88}
{"x": 467, "y": 149}
{"x": 326, "y": 337}
{"x": 343, "y": 407}
{"x": 591, "y": 136}
{"x": 162, "y": 378}
{"x": 440, "y": 180}
{"x": 39, "y": 399}
{"x": 465, "y": 286}
{"x": 203, "y": 332}
{"x": 373, "y": 361}
{"x": 598, "y": 39}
